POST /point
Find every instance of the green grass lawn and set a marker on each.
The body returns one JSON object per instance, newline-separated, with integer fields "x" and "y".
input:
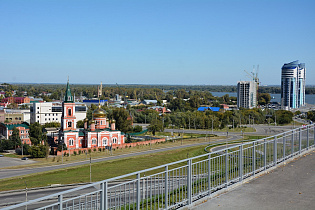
{"x": 100, "y": 171}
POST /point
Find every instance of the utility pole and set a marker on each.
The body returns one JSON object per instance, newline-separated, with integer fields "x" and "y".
{"x": 212, "y": 124}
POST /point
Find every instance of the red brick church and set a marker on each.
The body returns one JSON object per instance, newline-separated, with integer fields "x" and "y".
{"x": 99, "y": 132}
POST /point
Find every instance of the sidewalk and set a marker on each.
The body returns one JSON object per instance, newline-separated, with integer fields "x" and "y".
{"x": 288, "y": 187}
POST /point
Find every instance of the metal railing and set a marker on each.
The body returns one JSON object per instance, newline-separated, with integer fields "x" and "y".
{"x": 183, "y": 182}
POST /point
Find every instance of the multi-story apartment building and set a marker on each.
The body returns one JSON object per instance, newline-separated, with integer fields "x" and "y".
{"x": 46, "y": 112}
{"x": 292, "y": 85}
{"x": 246, "y": 94}
{"x": 6, "y": 130}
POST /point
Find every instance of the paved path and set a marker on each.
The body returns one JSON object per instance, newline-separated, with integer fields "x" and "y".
{"x": 288, "y": 187}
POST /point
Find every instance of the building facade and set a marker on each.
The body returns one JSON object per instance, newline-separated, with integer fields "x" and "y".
{"x": 99, "y": 132}
{"x": 17, "y": 100}
{"x": 293, "y": 85}
{"x": 45, "y": 112}
{"x": 6, "y": 130}
{"x": 246, "y": 94}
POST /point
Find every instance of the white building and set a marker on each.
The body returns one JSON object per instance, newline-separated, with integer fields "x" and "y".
{"x": 246, "y": 94}
{"x": 46, "y": 112}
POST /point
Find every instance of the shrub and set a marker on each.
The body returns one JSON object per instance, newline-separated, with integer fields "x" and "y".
{"x": 80, "y": 152}
{"x": 94, "y": 149}
{"x": 100, "y": 149}
{"x": 75, "y": 152}
{"x": 90, "y": 150}
{"x": 39, "y": 151}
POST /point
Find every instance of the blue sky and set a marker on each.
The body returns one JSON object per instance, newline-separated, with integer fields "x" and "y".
{"x": 194, "y": 42}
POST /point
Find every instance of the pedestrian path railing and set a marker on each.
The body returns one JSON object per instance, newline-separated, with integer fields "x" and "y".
{"x": 183, "y": 182}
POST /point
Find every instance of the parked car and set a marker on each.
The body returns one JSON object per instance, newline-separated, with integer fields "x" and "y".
{"x": 24, "y": 158}
{"x": 1, "y": 155}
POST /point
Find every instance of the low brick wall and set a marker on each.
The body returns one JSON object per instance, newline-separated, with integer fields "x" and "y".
{"x": 134, "y": 144}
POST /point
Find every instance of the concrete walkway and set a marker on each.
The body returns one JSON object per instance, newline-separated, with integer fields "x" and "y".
{"x": 287, "y": 187}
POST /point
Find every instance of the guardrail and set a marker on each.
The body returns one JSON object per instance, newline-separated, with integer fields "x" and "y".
{"x": 183, "y": 182}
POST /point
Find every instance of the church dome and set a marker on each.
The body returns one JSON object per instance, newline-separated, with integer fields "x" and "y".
{"x": 99, "y": 112}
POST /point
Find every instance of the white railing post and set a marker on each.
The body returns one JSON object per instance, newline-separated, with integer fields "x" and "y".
{"x": 166, "y": 187}
{"x": 241, "y": 163}
{"x": 284, "y": 146}
{"x": 209, "y": 174}
{"x": 292, "y": 143}
{"x": 254, "y": 158}
{"x": 226, "y": 167}
{"x": 60, "y": 205}
{"x": 265, "y": 154}
{"x": 307, "y": 138}
{"x": 138, "y": 191}
{"x": 102, "y": 198}
{"x": 189, "y": 180}
{"x": 300, "y": 140}
{"x": 275, "y": 151}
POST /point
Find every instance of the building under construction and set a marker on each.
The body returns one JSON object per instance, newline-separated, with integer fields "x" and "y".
{"x": 247, "y": 91}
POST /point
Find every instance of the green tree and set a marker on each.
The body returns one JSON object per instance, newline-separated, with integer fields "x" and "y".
{"x": 38, "y": 151}
{"x": 122, "y": 122}
{"x": 264, "y": 98}
{"x": 52, "y": 125}
{"x": 283, "y": 116}
{"x": 155, "y": 125}
{"x": 15, "y": 137}
{"x": 80, "y": 124}
{"x": 36, "y": 133}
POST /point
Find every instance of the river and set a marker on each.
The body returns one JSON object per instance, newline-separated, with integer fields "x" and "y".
{"x": 309, "y": 99}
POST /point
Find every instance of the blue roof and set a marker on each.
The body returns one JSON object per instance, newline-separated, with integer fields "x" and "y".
{"x": 204, "y": 108}
{"x": 94, "y": 101}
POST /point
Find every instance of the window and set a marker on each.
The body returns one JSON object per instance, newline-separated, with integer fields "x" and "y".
{"x": 53, "y": 118}
{"x": 69, "y": 112}
{"x": 45, "y": 114}
{"x": 37, "y": 116}
{"x": 37, "y": 107}
{"x": 105, "y": 141}
{"x": 114, "y": 140}
{"x": 71, "y": 141}
{"x": 22, "y": 131}
{"x": 69, "y": 124}
{"x": 45, "y": 119}
{"x": 10, "y": 132}
{"x": 94, "y": 141}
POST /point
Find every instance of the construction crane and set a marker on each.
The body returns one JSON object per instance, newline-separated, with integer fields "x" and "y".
{"x": 254, "y": 77}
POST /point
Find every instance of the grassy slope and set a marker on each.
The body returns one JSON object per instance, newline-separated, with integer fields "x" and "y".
{"x": 100, "y": 171}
